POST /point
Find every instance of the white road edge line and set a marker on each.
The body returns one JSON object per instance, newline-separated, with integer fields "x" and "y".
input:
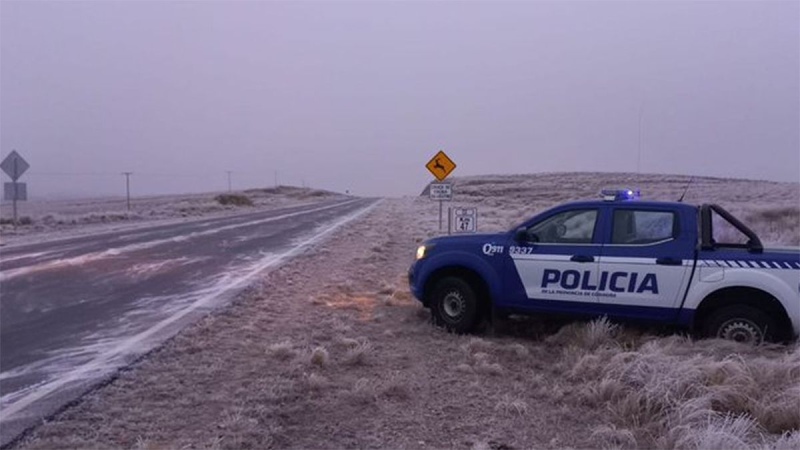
{"x": 99, "y": 366}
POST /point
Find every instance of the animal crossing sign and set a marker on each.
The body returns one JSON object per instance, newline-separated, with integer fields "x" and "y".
{"x": 441, "y": 166}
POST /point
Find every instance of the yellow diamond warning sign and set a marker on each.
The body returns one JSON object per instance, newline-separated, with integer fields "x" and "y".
{"x": 441, "y": 166}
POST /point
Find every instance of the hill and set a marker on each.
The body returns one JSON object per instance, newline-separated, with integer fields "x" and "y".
{"x": 771, "y": 208}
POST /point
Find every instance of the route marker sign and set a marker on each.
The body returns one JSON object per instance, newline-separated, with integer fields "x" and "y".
{"x": 441, "y": 165}
{"x": 441, "y": 191}
{"x": 465, "y": 220}
{"x": 14, "y": 165}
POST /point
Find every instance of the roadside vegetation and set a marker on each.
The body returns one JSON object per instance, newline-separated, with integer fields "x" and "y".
{"x": 331, "y": 351}
{"x": 45, "y": 218}
{"x": 234, "y": 200}
{"x": 21, "y": 221}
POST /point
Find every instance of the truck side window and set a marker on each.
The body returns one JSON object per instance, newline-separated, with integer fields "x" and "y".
{"x": 568, "y": 227}
{"x": 638, "y": 227}
{"x": 725, "y": 234}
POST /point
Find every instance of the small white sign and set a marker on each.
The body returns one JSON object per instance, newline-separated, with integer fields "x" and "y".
{"x": 15, "y": 191}
{"x": 441, "y": 191}
{"x": 465, "y": 220}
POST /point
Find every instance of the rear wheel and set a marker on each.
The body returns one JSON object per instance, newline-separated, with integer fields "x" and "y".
{"x": 741, "y": 323}
{"x": 454, "y": 305}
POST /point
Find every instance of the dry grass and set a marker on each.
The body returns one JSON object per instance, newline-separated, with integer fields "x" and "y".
{"x": 48, "y": 217}
{"x": 512, "y": 405}
{"x": 319, "y": 356}
{"x": 358, "y": 354}
{"x": 676, "y": 393}
{"x": 282, "y": 350}
{"x": 233, "y": 199}
{"x": 331, "y": 351}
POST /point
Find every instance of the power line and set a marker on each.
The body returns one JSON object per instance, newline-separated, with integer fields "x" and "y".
{"x": 74, "y": 174}
{"x": 246, "y": 178}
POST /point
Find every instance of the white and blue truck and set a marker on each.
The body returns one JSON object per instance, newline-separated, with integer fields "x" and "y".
{"x": 620, "y": 257}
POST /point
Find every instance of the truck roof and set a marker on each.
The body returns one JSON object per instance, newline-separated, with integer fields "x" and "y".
{"x": 637, "y": 203}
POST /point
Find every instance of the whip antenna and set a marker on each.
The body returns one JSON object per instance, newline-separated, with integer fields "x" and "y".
{"x": 686, "y": 189}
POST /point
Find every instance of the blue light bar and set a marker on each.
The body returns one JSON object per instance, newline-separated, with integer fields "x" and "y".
{"x": 615, "y": 195}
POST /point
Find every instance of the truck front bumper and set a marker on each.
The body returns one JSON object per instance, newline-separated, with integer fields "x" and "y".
{"x": 416, "y": 290}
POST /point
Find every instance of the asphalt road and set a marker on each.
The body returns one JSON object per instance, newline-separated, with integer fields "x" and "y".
{"x": 74, "y": 310}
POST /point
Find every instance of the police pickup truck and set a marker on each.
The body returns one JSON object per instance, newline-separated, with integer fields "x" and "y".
{"x": 644, "y": 261}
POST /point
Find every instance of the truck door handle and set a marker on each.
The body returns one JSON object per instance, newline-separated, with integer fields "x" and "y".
{"x": 582, "y": 258}
{"x": 669, "y": 261}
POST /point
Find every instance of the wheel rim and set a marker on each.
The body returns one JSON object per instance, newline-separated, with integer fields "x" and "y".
{"x": 453, "y": 305}
{"x": 741, "y": 330}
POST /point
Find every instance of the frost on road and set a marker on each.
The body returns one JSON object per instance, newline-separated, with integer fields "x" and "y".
{"x": 130, "y": 297}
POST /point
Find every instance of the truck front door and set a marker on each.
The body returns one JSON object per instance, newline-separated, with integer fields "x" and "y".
{"x": 548, "y": 268}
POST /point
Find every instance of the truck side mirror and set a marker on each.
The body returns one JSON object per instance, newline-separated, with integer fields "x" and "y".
{"x": 521, "y": 235}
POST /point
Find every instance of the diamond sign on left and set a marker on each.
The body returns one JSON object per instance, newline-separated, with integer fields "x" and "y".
{"x": 14, "y": 165}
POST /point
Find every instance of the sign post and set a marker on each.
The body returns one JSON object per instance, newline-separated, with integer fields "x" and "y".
{"x": 441, "y": 192}
{"x": 14, "y": 166}
{"x": 441, "y": 166}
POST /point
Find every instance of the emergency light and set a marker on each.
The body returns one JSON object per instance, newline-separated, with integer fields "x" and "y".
{"x": 611, "y": 195}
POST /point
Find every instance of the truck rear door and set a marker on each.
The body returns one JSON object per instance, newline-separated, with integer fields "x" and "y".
{"x": 646, "y": 261}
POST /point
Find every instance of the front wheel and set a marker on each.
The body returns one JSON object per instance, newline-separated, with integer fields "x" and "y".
{"x": 454, "y": 305}
{"x": 740, "y": 323}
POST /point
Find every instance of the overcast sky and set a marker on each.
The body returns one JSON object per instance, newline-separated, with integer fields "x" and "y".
{"x": 359, "y": 95}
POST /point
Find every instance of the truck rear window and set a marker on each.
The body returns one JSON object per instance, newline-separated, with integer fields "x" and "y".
{"x": 641, "y": 227}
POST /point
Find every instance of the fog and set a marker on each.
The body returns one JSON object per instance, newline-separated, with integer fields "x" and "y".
{"x": 359, "y": 95}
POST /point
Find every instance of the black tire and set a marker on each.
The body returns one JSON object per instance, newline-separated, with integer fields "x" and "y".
{"x": 741, "y": 323}
{"x": 454, "y": 305}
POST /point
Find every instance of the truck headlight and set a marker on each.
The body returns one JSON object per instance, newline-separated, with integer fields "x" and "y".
{"x": 421, "y": 252}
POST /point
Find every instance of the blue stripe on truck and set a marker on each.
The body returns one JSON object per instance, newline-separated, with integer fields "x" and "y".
{"x": 733, "y": 263}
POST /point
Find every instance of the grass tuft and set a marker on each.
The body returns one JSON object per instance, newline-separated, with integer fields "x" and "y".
{"x": 779, "y": 413}
{"x": 518, "y": 350}
{"x": 511, "y": 405}
{"x": 364, "y": 392}
{"x": 396, "y": 389}
{"x": 359, "y": 354}
{"x": 730, "y": 433}
{"x": 464, "y": 368}
{"x": 486, "y": 368}
{"x": 609, "y": 436}
{"x": 233, "y": 199}
{"x": 316, "y": 382}
{"x": 319, "y": 356}
{"x": 282, "y": 350}
{"x": 478, "y": 345}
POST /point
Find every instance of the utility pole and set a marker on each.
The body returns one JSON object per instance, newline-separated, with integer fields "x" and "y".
{"x": 276, "y": 178}
{"x": 229, "y": 180}
{"x": 128, "y": 187}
